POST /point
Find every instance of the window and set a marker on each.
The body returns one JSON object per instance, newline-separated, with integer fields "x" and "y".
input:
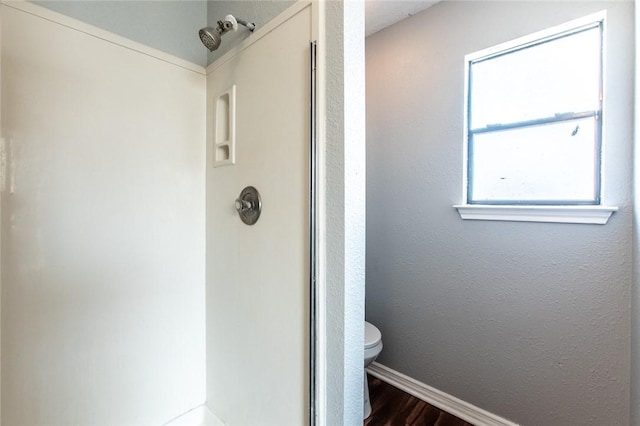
{"x": 534, "y": 120}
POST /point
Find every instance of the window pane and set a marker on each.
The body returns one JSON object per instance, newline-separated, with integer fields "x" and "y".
{"x": 554, "y": 77}
{"x": 551, "y": 162}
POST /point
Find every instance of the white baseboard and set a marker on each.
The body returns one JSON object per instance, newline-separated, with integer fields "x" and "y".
{"x": 459, "y": 408}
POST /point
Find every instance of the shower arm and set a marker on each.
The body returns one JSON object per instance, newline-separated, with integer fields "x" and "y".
{"x": 250, "y": 25}
{"x": 226, "y": 25}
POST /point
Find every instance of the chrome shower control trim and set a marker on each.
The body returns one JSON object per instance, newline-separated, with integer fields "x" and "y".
{"x": 249, "y": 205}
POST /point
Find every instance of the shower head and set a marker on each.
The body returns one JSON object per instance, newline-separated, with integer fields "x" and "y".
{"x": 212, "y": 37}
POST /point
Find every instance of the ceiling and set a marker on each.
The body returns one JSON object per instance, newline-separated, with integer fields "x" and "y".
{"x": 380, "y": 14}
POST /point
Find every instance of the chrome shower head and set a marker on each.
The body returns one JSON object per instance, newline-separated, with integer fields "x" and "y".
{"x": 212, "y": 37}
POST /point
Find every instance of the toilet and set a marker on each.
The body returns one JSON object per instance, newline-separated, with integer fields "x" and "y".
{"x": 372, "y": 348}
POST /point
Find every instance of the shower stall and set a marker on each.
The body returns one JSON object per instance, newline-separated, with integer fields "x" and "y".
{"x": 141, "y": 276}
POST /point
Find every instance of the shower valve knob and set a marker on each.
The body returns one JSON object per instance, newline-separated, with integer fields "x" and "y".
{"x": 243, "y": 205}
{"x": 249, "y": 205}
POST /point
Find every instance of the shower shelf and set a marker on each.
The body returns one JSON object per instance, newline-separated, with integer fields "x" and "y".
{"x": 225, "y": 128}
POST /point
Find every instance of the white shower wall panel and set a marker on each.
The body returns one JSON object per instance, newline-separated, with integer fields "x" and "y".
{"x": 103, "y": 229}
{"x": 258, "y": 318}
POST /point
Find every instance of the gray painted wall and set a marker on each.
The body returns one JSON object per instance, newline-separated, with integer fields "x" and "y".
{"x": 169, "y": 25}
{"x": 530, "y": 321}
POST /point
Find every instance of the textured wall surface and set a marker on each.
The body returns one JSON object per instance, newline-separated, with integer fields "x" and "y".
{"x": 169, "y": 25}
{"x": 103, "y": 230}
{"x": 345, "y": 210}
{"x": 530, "y": 321}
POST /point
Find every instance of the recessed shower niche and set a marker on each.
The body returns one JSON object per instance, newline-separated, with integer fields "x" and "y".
{"x": 225, "y": 128}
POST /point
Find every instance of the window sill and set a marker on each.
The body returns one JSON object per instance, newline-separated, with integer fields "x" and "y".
{"x": 597, "y": 215}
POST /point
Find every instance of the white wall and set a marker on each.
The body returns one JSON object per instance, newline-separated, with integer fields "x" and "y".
{"x": 529, "y": 321}
{"x": 103, "y": 232}
{"x": 343, "y": 207}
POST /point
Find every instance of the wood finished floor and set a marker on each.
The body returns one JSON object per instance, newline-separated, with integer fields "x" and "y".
{"x": 392, "y": 407}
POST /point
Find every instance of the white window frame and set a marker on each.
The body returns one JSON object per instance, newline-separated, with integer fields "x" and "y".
{"x": 589, "y": 214}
